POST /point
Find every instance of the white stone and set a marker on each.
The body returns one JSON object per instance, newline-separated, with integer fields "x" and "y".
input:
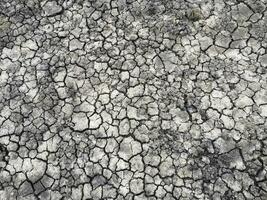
{"x": 80, "y": 120}
{"x": 261, "y": 97}
{"x": 86, "y": 107}
{"x": 38, "y": 169}
{"x": 51, "y": 8}
{"x": 244, "y": 101}
{"x": 3, "y": 77}
{"x": 220, "y": 102}
{"x": 136, "y": 186}
{"x": 213, "y": 134}
{"x": 111, "y": 145}
{"x": 205, "y": 42}
{"x": 75, "y": 44}
{"x": 263, "y": 60}
{"x": 104, "y": 99}
{"x": 122, "y": 165}
{"x": 153, "y": 160}
{"x": 135, "y": 91}
{"x": 223, "y": 145}
{"x": 13, "y": 53}
{"x": 95, "y": 121}
{"x": 133, "y": 113}
{"x": 228, "y": 122}
{"x": 124, "y": 127}
{"x": 153, "y": 109}
{"x": 125, "y": 75}
{"x": 96, "y": 154}
{"x": 264, "y": 110}
{"x": 129, "y": 147}
{"x": 166, "y": 167}
{"x": 30, "y": 44}
{"x": 137, "y": 164}
{"x": 26, "y": 53}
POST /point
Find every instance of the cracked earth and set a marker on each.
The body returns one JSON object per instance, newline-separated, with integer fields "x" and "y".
{"x": 145, "y": 99}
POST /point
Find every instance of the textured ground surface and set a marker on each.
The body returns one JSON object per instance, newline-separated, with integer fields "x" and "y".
{"x": 146, "y": 99}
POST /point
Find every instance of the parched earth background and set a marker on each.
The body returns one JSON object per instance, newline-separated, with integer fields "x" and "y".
{"x": 133, "y": 99}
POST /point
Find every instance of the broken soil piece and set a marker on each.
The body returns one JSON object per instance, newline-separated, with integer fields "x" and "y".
{"x": 194, "y": 15}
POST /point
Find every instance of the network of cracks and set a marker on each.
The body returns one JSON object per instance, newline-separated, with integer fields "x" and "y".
{"x": 133, "y": 99}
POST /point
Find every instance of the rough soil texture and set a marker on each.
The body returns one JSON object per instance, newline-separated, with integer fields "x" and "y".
{"x": 133, "y": 99}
